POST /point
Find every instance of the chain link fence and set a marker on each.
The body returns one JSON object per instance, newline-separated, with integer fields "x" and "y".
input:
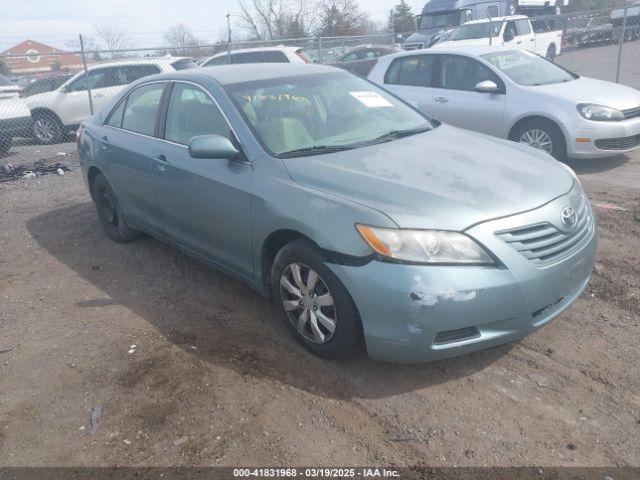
{"x": 46, "y": 95}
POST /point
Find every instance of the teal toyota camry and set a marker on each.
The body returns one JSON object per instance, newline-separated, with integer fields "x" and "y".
{"x": 367, "y": 222}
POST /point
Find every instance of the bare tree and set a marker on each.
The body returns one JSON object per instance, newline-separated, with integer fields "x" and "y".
{"x": 182, "y": 40}
{"x": 274, "y": 19}
{"x": 342, "y": 17}
{"x": 115, "y": 37}
{"x": 90, "y": 45}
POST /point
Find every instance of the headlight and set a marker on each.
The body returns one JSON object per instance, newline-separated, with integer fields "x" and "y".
{"x": 425, "y": 246}
{"x": 599, "y": 113}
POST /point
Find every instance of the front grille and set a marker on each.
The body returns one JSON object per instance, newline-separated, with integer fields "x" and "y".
{"x": 631, "y": 113}
{"x": 624, "y": 143}
{"x": 413, "y": 46}
{"x": 544, "y": 243}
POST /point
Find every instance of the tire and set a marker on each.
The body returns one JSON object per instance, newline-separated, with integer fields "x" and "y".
{"x": 328, "y": 300}
{"x": 512, "y": 8}
{"x": 551, "y": 53}
{"x": 537, "y": 132}
{"x": 109, "y": 212}
{"x": 47, "y": 128}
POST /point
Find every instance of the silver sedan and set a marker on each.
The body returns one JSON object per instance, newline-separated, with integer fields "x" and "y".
{"x": 516, "y": 95}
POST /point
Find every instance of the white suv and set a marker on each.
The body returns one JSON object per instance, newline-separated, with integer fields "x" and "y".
{"x": 259, "y": 55}
{"x": 55, "y": 113}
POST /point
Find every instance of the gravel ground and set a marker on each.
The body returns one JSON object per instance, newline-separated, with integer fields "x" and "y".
{"x": 190, "y": 367}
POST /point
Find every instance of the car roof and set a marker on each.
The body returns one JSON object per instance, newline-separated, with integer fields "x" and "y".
{"x": 280, "y": 48}
{"x": 451, "y": 48}
{"x": 136, "y": 61}
{"x": 242, "y": 72}
{"x": 496, "y": 19}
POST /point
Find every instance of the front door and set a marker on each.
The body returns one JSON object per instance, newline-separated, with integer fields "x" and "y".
{"x": 456, "y": 101}
{"x": 205, "y": 203}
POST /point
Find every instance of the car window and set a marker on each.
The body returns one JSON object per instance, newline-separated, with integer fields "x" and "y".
{"x": 115, "y": 118}
{"x": 523, "y": 27}
{"x": 477, "y": 30}
{"x": 142, "y": 108}
{"x": 131, "y": 73}
{"x": 463, "y": 73}
{"x": 466, "y": 15}
{"x": 79, "y": 83}
{"x": 274, "y": 56}
{"x": 222, "y": 60}
{"x": 510, "y": 30}
{"x": 416, "y": 70}
{"x": 191, "y": 112}
{"x": 492, "y": 11}
{"x": 247, "y": 57}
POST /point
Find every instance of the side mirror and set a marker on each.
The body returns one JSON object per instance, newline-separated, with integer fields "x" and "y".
{"x": 487, "y": 86}
{"x": 212, "y": 146}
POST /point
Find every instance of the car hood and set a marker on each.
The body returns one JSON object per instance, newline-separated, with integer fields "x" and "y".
{"x": 424, "y": 36}
{"x": 44, "y": 98}
{"x": 590, "y": 90}
{"x": 447, "y": 178}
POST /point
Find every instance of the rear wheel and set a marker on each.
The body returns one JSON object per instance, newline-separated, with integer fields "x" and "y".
{"x": 543, "y": 135}
{"x": 47, "y": 129}
{"x": 110, "y": 213}
{"x": 318, "y": 310}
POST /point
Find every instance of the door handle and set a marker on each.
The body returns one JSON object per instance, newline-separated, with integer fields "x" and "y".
{"x": 518, "y": 43}
{"x": 441, "y": 99}
{"x": 161, "y": 162}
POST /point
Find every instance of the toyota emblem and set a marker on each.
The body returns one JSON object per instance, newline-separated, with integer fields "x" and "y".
{"x": 569, "y": 217}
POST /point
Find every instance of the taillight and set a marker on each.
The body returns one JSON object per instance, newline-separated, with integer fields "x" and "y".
{"x": 303, "y": 56}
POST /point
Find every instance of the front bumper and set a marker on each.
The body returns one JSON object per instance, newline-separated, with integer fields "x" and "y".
{"x": 418, "y": 313}
{"x": 607, "y": 138}
{"x": 16, "y": 127}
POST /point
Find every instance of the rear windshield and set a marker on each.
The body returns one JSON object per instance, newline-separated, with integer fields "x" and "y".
{"x": 477, "y": 30}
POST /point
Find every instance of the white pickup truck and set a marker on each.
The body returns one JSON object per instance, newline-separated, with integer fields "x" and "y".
{"x": 515, "y": 30}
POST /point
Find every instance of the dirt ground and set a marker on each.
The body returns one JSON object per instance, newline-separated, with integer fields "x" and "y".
{"x": 214, "y": 378}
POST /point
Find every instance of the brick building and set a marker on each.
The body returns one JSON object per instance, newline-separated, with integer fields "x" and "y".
{"x": 39, "y": 58}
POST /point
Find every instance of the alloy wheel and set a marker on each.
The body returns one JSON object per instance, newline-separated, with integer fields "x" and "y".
{"x": 308, "y": 303}
{"x": 537, "y": 138}
{"x": 44, "y": 129}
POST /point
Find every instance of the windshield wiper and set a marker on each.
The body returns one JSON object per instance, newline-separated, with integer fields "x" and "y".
{"x": 393, "y": 134}
{"x": 314, "y": 149}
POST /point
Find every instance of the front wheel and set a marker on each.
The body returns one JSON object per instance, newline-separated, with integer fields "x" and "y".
{"x": 110, "y": 213}
{"x": 318, "y": 310}
{"x": 543, "y": 135}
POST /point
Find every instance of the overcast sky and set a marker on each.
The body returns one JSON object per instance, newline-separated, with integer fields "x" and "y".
{"x": 57, "y": 21}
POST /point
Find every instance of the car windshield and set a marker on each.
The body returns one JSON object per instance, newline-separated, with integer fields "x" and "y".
{"x": 476, "y": 30}
{"x": 439, "y": 20}
{"x": 528, "y": 69}
{"x": 318, "y": 113}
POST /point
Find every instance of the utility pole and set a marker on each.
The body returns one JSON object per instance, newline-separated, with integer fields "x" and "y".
{"x": 228, "y": 37}
{"x": 622, "y": 35}
{"x": 86, "y": 74}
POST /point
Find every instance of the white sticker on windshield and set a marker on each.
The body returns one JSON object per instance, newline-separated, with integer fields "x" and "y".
{"x": 371, "y": 99}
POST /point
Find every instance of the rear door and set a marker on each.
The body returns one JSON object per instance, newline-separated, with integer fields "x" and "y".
{"x": 526, "y": 36}
{"x": 205, "y": 203}
{"x": 128, "y": 144}
{"x": 456, "y": 101}
{"x": 411, "y": 78}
